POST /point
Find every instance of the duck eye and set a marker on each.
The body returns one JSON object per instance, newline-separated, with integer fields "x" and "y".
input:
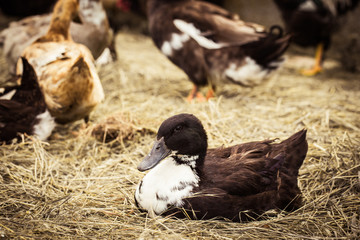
{"x": 178, "y": 128}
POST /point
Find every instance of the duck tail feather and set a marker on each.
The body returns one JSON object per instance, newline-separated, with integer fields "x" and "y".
{"x": 269, "y": 50}
{"x": 296, "y": 149}
{"x": 289, "y": 193}
{"x": 28, "y": 78}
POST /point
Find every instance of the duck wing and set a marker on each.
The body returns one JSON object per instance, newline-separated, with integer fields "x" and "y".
{"x": 244, "y": 169}
{"x": 11, "y": 111}
{"x": 255, "y": 167}
{"x": 15, "y": 118}
{"x": 213, "y": 27}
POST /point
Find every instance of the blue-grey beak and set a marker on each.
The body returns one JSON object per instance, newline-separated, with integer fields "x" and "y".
{"x": 158, "y": 152}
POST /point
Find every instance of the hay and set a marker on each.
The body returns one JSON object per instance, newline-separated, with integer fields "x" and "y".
{"x": 76, "y": 187}
{"x": 116, "y": 128}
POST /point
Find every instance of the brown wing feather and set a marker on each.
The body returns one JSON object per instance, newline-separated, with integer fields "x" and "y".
{"x": 218, "y": 24}
{"x": 245, "y": 168}
{"x": 253, "y": 167}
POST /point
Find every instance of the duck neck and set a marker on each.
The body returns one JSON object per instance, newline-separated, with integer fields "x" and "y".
{"x": 64, "y": 12}
{"x": 195, "y": 162}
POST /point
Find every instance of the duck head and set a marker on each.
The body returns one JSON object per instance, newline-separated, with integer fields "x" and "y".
{"x": 183, "y": 138}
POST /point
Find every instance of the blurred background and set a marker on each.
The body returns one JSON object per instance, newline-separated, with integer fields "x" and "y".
{"x": 345, "y": 45}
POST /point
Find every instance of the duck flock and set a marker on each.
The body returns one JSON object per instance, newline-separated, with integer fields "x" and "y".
{"x": 53, "y": 59}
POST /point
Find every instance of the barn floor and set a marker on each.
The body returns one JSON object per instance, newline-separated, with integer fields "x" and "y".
{"x": 77, "y": 187}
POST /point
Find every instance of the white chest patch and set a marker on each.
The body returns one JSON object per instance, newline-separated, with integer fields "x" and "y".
{"x": 308, "y": 6}
{"x": 45, "y": 126}
{"x": 176, "y": 42}
{"x": 165, "y": 185}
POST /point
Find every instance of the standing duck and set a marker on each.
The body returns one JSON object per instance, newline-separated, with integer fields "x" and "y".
{"x": 312, "y": 22}
{"x": 238, "y": 183}
{"x": 23, "y": 109}
{"x": 65, "y": 69}
{"x": 209, "y": 43}
{"x": 93, "y": 31}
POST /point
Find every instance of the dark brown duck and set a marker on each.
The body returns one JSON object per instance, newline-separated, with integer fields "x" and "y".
{"x": 23, "y": 109}
{"x": 211, "y": 44}
{"x": 238, "y": 183}
{"x": 312, "y": 23}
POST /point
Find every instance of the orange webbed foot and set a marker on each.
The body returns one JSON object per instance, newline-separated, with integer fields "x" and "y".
{"x": 210, "y": 93}
{"x": 311, "y": 72}
{"x": 195, "y": 95}
{"x": 317, "y": 68}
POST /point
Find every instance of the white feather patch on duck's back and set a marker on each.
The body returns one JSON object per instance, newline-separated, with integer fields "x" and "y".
{"x": 8, "y": 95}
{"x": 176, "y": 42}
{"x": 190, "y": 30}
{"x": 249, "y": 74}
{"x": 166, "y": 185}
{"x": 45, "y": 126}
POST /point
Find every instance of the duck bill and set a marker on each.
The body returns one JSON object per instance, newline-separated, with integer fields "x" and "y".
{"x": 158, "y": 152}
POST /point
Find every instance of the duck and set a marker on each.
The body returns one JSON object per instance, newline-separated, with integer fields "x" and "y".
{"x": 66, "y": 72}
{"x": 211, "y": 44}
{"x": 312, "y": 24}
{"x": 90, "y": 28}
{"x": 23, "y": 109}
{"x": 237, "y": 183}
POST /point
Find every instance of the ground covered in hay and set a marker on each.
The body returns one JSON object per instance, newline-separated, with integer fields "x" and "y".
{"x": 80, "y": 184}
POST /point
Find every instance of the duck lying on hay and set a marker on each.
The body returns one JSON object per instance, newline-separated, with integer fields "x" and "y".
{"x": 23, "y": 109}
{"x": 238, "y": 183}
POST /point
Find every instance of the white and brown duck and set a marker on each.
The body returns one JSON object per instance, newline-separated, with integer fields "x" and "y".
{"x": 65, "y": 69}
{"x": 239, "y": 183}
{"x": 23, "y": 109}
{"x": 210, "y": 44}
{"x": 90, "y": 29}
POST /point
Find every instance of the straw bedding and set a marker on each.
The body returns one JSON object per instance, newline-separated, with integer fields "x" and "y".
{"x": 80, "y": 183}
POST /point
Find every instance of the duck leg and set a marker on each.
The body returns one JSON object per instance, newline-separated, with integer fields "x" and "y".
{"x": 195, "y": 94}
{"x": 317, "y": 68}
{"x": 211, "y": 92}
